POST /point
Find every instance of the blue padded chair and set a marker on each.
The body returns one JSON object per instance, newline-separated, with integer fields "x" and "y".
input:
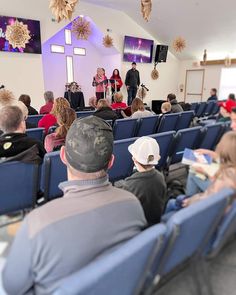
{"x": 195, "y": 106}
{"x": 84, "y": 114}
{"x": 147, "y": 126}
{"x": 211, "y": 136}
{"x": 185, "y": 138}
{"x": 201, "y": 110}
{"x": 123, "y": 164}
{"x": 53, "y": 172}
{"x": 121, "y": 272}
{"x": 165, "y": 141}
{"x": 168, "y": 122}
{"x": 19, "y": 186}
{"x": 124, "y": 128}
{"x": 185, "y": 120}
{"x": 189, "y": 231}
{"x": 209, "y": 108}
{"x": 216, "y": 109}
{"x": 36, "y": 133}
{"x": 34, "y": 119}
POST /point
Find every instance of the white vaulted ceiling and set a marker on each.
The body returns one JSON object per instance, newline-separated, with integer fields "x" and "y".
{"x": 205, "y": 24}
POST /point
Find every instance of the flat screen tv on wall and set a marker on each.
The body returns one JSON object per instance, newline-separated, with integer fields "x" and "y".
{"x": 32, "y": 31}
{"x": 138, "y": 50}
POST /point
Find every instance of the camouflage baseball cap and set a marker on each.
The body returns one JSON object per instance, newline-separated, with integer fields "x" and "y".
{"x": 89, "y": 144}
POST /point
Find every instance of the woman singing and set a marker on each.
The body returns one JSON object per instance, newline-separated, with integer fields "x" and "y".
{"x": 116, "y": 86}
{"x": 100, "y": 82}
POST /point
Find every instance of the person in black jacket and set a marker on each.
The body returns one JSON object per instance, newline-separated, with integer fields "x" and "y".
{"x": 14, "y": 141}
{"x": 148, "y": 184}
{"x": 213, "y": 94}
{"x": 132, "y": 82}
{"x": 104, "y": 111}
{"x": 175, "y": 106}
{"x": 27, "y": 101}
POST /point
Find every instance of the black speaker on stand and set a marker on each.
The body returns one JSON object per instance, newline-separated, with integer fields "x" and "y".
{"x": 161, "y": 53}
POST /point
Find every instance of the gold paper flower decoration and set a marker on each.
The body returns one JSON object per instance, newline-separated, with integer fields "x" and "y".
{"x": 81, "y": 28}
{"x": 179, "y": 44}
{"x": 62, "y": 9}
{"x": 107, "y": 41}
{"x": 18, "y": 34}
{"x": 155, "y": 74}
{"x": 146, "y": 9}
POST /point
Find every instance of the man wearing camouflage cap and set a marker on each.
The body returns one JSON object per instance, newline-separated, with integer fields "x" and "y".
{"x": 93, "y": 217}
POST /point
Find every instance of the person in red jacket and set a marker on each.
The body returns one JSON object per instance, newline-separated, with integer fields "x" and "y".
{"x": 118, "y": 104}
{"x": 50, "y": 120}
{"x": 118, "y": 81}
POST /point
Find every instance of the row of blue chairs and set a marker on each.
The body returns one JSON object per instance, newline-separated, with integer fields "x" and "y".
{"x": 203, "y": 109}
{"x": 29, "y": 179}
{"x": 191, "y": 238}
{"x": 127, "y": 128}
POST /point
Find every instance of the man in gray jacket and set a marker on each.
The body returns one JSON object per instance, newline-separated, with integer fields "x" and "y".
{"x": 175, "y": 106}
{"x": 92, "y": 218}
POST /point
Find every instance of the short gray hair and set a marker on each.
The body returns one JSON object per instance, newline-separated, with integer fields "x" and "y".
{"x": 48, "y": 96}
{"x": 10, "y": 118}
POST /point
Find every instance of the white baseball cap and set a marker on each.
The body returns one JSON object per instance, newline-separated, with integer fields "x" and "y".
{"x": 145, "y": 150}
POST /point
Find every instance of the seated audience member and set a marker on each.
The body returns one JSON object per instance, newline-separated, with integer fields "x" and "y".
{"x": 91, "y": 219}
{"x": 27, "y": 101}
{"x": 118, "y": 104}
{"x": 6, "y": 98}
{"x": 49, "y": 99}
{"x": 14, "y": 143}
{"x": 138, "y": 110}
{"x": 225, "y": 111}
{"x": 175, "y": 106}
{"x": 233, "y": 119}
{"x": 93, "y": 102}
{"x": 231, "y": 96}
{"x": 147, "y": 184}
{"x": 104, "y": 111}
{"x": 213, "y": 94}
{"x": 166, "y": 108}
{"x": 224, "y": 178}
{"x": 55, "y": 140}
{"x": 50, "y": 120}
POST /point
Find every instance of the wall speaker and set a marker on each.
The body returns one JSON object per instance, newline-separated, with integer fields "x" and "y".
{"x": 161, "y": 53}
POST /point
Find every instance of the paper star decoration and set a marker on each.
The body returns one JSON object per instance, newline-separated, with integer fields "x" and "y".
{"x": 146, "y": 9}
{"x": 107, "y": 41}
{"x": 81, "y": 28}
{"x": 62, "y": 9}
{"x": 179, "y": 44}
{"x": 18, "y": 34}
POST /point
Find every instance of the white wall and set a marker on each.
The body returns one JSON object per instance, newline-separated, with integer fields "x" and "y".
{"x": 24, "y": 73}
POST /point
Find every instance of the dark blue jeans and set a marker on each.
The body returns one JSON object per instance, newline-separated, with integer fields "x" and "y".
{"x": 132, "y": 94}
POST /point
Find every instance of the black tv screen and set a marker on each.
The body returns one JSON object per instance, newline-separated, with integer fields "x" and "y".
{"x": 32, "y": 27}
{"x": 138, "y": 50}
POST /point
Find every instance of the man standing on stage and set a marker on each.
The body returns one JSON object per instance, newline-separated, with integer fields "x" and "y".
{"x": 132, "y": 82}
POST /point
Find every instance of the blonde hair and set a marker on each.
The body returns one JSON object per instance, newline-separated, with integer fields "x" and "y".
{"x": 226, "y": 151}
{"x": 166, "y": 106}
{"x": 59, "y": 105}
{"x": 118, "y": 97}
{"x": 65, "y": 118}
{"x": 137, "y": 105}
{"x": 6, "y": 97}
{"x": 103, "y": 103}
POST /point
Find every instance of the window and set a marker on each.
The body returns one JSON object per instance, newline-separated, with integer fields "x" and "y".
{"x": 227, "y": 82}
{"x": 79, "y": 51}
{"x": 57, "y": 49}
{"x": 69, "y": 67}
{"x": 68, "y": 37}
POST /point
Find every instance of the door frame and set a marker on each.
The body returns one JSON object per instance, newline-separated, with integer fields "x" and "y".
{"x": 203, "y": 81}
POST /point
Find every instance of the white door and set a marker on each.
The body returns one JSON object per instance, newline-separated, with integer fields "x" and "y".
{"x": 194, "y": 85}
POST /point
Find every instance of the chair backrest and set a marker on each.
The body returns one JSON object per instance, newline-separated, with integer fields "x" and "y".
{"x": 34, "y": 119}
{"x": 36, "y": 133}
{"x": 201, "y": 110}
{"x": 53, "y": 172}
{"x": 19, "y": 186}
{"x": 211, "y": 136}
{"x": 147, "y": 126}
{"x": 209, "y": 108}
{"x": 124, "y": 128}
{"x": 215, "y": 109}
{"x": 184, "y": 120}
{"x": 168, "y": 122}
{"x": 185, "y": 138}
{"x": 123, "y": 164}
{"x": 165, "y": 140}
{"x": 84, "y": 114}
{"x": 195, "y": 106}
{"x": 121, "y": 272}
{"x": 225, "y": 231}
{"x": 191, "y": 229}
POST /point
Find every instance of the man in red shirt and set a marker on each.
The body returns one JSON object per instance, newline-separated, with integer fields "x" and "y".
{"x": 49, "y": 99}
{"x": 118, "y": 104}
